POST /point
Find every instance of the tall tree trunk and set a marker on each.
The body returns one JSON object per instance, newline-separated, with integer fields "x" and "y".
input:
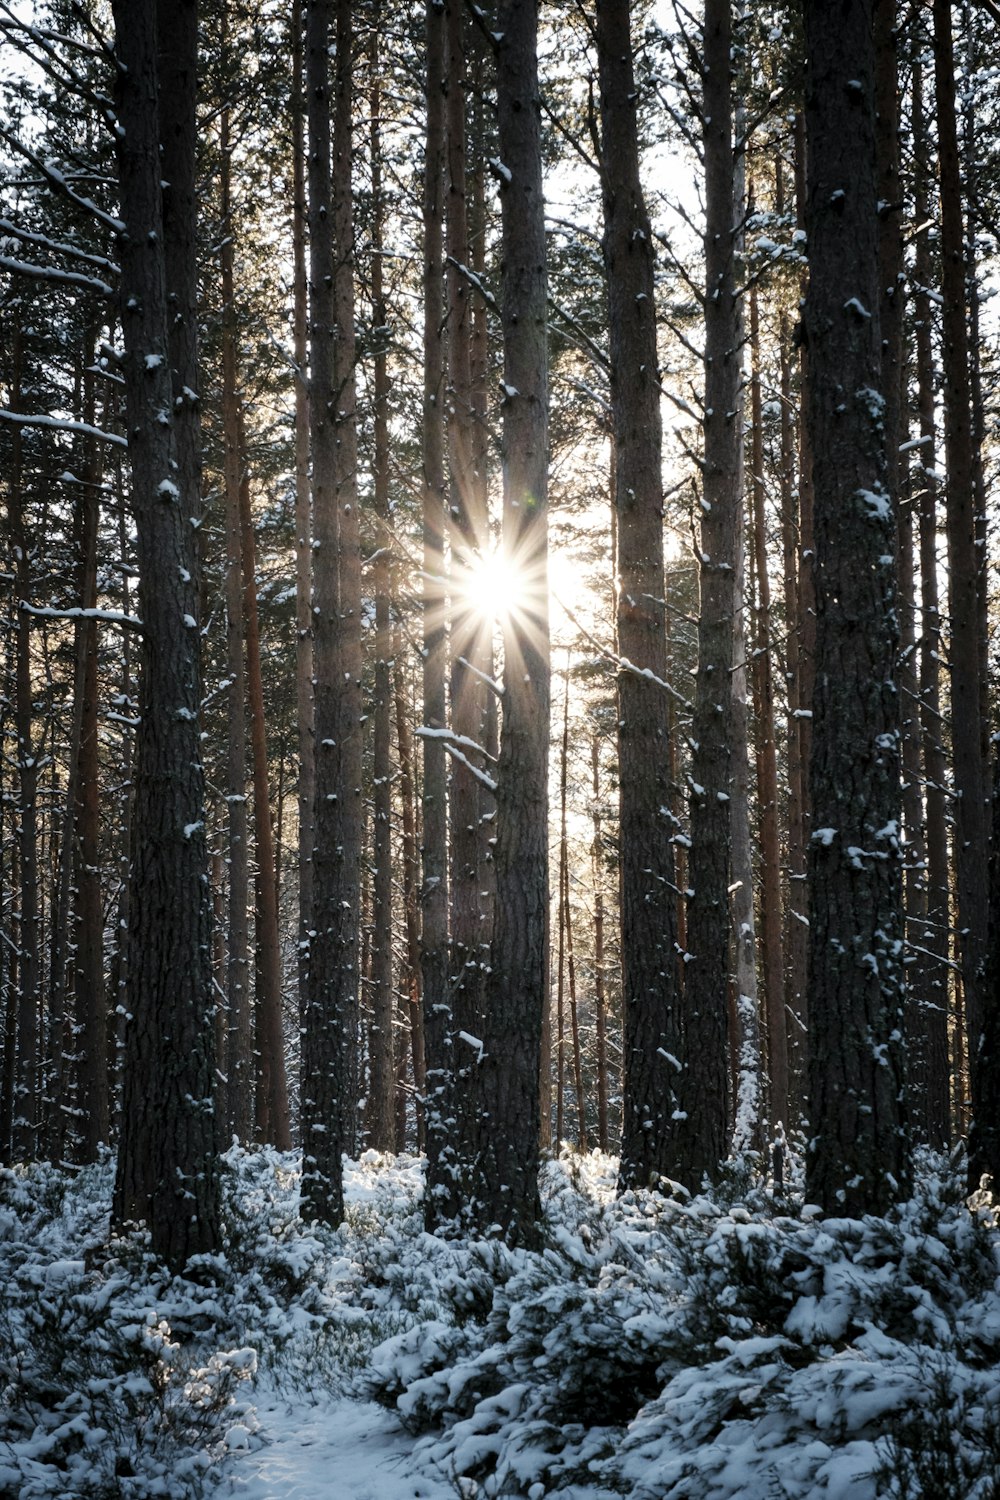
{"x": 934, "y": 1106}
{"x": 505, "y": 1191}
{"x": 241, "y": 1069}
{"x": 167, "y": 1162}
{"x": 411, "y": 879}
{"x": 29, "y": 976}
{"x": 963, "y": 575}
{"x": 329, "y": 1043}
{"x": 441, "y": 1200}
{"x": 600, "y": 996}
{"x": 767, "y": 763}
{"x": 857, "y": 1160}
{"x": 273, "y": 1123}
{"x": 93, "y": 1119}
{"x": 652, "y": 1024}
{"x": 303, "y": 503}
{"x": 382, "y": 1089}
{"x": 708, "y": 930}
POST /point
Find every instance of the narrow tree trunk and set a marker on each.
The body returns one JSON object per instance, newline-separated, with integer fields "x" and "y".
{"x": 767, "y": 764}
{"x": 964, "y": 654}
{"x": 241, "y": 1069}
{"x": 652, "y": 1029}
{"x": 382, "y": 1107}
{"x": 933, "y": 969}
{"x": 441, "y": 1200}
{"x": 600, "y": 997}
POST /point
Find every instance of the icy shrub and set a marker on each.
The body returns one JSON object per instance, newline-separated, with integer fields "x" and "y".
{"x": 948, "y": 1442}
{"x": 101, "y": 1395}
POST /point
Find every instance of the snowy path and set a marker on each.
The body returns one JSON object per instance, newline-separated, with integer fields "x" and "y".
{"x": 337, "y": 1449}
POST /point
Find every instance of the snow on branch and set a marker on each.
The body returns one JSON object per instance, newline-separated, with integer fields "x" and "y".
{"x": 108, "y": 616}
{"x": 53, "y": 273}
{"x": 36, "y": 419}
{"x": 427, "y": 733}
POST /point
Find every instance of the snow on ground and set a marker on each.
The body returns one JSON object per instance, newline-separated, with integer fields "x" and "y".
{"x": 331, "y": 1448}
{"x": 731, "y": 1346}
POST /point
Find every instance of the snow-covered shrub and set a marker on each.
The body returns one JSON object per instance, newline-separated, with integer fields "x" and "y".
{"x": 106, "y": 1390}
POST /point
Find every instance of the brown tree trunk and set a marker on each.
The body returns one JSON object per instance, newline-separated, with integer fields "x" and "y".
{"x": 241, "y": 1068}
{"x": 441, "y": 1200}
{"x": 329, "y": 1044}
{"x": 505, "y": 1191}
{"x": 382, "y": 1085}
{"x": 857, "y": 1161}
{"x": 933, "y": 1100}
{"x": 767, "y": 764}
{"x": 26, "y": 1119}
{"x": 963, "y": 575}
{"x": 709, "y": 864}
{"x": 167, "y": 1162}
{"x": 600, "y": 997}
{"x": 652, "y": 1034}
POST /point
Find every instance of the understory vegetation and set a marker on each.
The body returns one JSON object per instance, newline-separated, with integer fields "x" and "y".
{"x": 659, "y": 1345}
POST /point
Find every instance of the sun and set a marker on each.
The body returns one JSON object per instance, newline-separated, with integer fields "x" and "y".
{"x": 494, "y": 587}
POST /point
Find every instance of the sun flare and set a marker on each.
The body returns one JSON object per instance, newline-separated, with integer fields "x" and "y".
{"x": 495, "y": 586}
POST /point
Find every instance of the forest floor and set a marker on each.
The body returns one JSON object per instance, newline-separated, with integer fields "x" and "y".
{"x": 731, "y": 1346}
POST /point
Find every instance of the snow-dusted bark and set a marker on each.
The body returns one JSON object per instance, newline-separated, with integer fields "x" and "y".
{"x": 167, "y": 1156}
{"x": 857, "y": 1159}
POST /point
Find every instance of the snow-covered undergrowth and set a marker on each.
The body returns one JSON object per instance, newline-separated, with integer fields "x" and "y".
{"x": 658, "y": 1346}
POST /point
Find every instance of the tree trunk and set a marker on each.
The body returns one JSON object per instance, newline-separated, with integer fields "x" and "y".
{"x": 652, "y": 1034}
{"x": 505, "y": 1193}
{"x": 933, "y": 1075}
{"x": 767, "y": 765}
{"x": 600, "y": 998}
{"x": 441, "y": 1198}
{"x": 167, "y": 1163}
{"x": 241, "y": 1069}
{"x": 857, "y": 1160}
{"x": 709, "y": 863}
{"x": 382, "y": 1089}
{"x": 331, "y": 1021}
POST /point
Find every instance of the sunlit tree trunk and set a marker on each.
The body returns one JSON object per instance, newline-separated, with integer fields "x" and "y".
{"x": 382, "y": 1086}
{"x": 708, "y": 926}
{"x": 505, "y": 1187}
{"x": 652, "y": 1033}
{"x": 441, "y": 1197}
{"x": 332, "y": 1007}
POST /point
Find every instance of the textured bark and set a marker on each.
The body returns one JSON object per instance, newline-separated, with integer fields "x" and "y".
{"x": 25, "y": 1122}
{"x": 505, "y": 1189}
{"x": 332, "y": 1005}
{"x": 600, "y": 998}
{"x": 652, "y": 1035}
{"x": 167, "y": 1162}
{"x": 240, "y": 1065}
{"x": 773, "y": 1010}
{"x": 441, "y": 1197}
{"x": 856, "y": 1161}
{"x": 382, "y": 1084}
{"x": 933, "y": 1081}
{"x": 471, "y": 632}
{"x": 303, "y": 504}
{"x": 93, "y": 1117}
{"x": 963, "y": 574}
{"x": 411, "y": 880}
{"x": 709, "y": 862}
{"x": 273, "y": 1123}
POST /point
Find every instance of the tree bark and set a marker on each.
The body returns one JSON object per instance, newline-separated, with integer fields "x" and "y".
{"x": 856, "y": 1162}
{"x": 167, "y": 1163}
{"x": 505, "y": 1190}
{"x": 329, "y": 1043}
{"x": 653, "y": 1046}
